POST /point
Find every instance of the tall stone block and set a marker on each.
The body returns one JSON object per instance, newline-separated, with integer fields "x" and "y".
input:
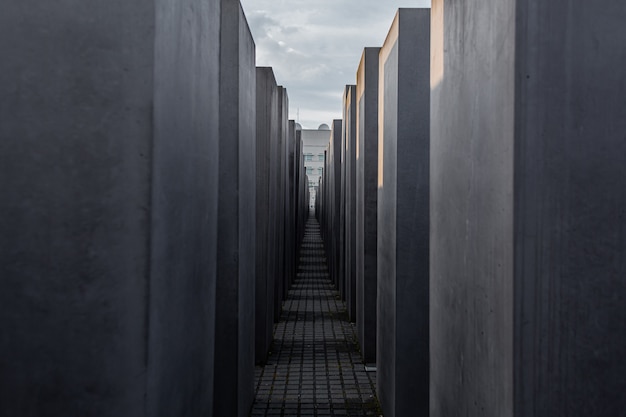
{"x": 266, "y": 131}
{"x": 349, "y": 247}
{"x": 108, "y": 172}
{"x": 302, "y": 206}
{"x": 235, "y": 332}
{"x": 403, "y": 216}
{"x": 281, "y": 200}
{"x": 334, "y": 169}
{"x": 274, "y": 207}
{"x": 367, "y": 201}
{"x": 291, "y": 204}
{"x": 528, "y": 209}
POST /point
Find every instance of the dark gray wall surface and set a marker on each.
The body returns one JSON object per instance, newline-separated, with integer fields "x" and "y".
{"x": 471, "y": 192}
{"x": 281, "y": 200}
{"x": 349, "y": 119}
{"x": 235, "y": 331}
{"x": 184, "y": 208}
{"x": 341, "y": 264}
{"x": 266, "y": 114}
{"x": 76, "y": 127}
{"x": 291, "y": 203}
{"x": 528, "y": 210}
{"x": 570, "y": 199}
{"x": 335, "y": 197}
{"x": 366, "y": 202}
{"x": 302, "y": 203}
{"x": 108, "y": 212}
{"x": 402, "y": 377}
{"x": 274, "y": 211}
{"x": 279, "y": 252}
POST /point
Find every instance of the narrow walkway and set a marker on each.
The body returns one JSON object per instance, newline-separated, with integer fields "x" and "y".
{"x": 315, "y": 367}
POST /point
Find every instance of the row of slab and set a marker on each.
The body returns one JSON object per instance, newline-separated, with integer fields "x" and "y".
{"x": 282, "y": 205}
{"x": 146, "y": 186}
{"x": 473, "y": 209}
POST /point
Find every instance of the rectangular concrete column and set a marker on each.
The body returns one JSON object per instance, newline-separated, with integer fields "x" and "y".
{"x": 291, "y": 204}
{"x": 402, "y": 377}
{"x": 274, "y": 207}
{"x": 528, "y": 197}
{"x": 234, "y": 350}
{"x": 349, "y": 120}
{"x": 334, "y": 167}
{"x": 341, "y": 264}
{"x": 367, "y": 201}
{"x": 266, "y": 131}
{"x": 300, "y": 208}
{"x": 108, "y": 216}
{"x": 281, "y": 199}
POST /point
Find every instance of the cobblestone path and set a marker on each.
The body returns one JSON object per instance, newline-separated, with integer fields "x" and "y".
{"x": 315, "y": 367}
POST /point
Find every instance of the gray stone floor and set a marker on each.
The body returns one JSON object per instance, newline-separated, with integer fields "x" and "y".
{"x": 315, "y": 367}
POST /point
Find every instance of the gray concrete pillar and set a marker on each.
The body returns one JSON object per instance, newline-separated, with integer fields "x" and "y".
{"x": 281, "y": 199}
{"x": 266, "y": 131}
{"x": 366, "y": 205}
{"x": 235, "y": 330}
{"x": 291, "y": 206}
{"x": 528, "y": 165}
{"x": 349, "y": 247}
{"x": 108, "y": 172}
{"x": 402, "y": 377}
{"x": 334, "y": 168}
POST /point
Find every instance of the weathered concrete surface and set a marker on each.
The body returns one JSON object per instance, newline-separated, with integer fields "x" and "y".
{"x": 291, "y": 204}
{"x": 281, "y": 200}
{"x": 472, "y": 214}
{"x": 366, "y": 205}
{"x": 334, "y": 168}
{"x": 349, "y": 126}
{"x": 235, "y": 330}
{"x": 402, "y": 377}
{"x": 108, "y": 213}
{"x": 266, "y": 131}
{"x": 527, "y": 209}
{"x": 184, "y": 208}
{"x": 284, "y": 123}
{"x": 302, "y": 191}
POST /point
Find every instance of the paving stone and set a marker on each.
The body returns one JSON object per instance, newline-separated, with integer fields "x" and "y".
{"x": 314, "y": 368}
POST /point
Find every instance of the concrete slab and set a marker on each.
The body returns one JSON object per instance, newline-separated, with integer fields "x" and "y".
{"x": 527, "y": 201}
{"x": 403, "y": 216}
{"x": 333, "y": 167}
{"x": 235, "y": 331}
{"x": 266, "y": 131}
{"x": 108, "y": 217}
{"x": 366, "y": 205}
{"x": 281, "y": 199}
{"x": 349, "y": 126}
{"x": 291, "y": 203}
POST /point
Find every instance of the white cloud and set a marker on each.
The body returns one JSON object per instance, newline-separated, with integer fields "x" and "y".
{"x": 315, "y": 47}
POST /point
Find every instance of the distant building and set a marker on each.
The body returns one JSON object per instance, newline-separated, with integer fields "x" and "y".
{"x": 314, "y": 143}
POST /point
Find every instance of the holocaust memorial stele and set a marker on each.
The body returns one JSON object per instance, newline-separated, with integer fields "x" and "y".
{"x": 367, "y": 201}
{"x": 110, "y": 114}
{"x": 341, "y": 274}
{"x": 236, "y": 265}
{"x": 349, "y": 169}
{"x": 528, "y": 166}
{"x": 291, "y": 188}
{"x": 332, "y": 206}
{"x": 402, "y": 378}
{"x": 280, "y": 166}
{"x": 266, "y": 134}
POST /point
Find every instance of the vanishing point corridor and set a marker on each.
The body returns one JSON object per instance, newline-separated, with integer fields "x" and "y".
{"x": 315, "y": 367}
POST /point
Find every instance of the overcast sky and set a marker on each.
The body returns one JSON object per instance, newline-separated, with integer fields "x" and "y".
{"x": 315, "y": 46}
